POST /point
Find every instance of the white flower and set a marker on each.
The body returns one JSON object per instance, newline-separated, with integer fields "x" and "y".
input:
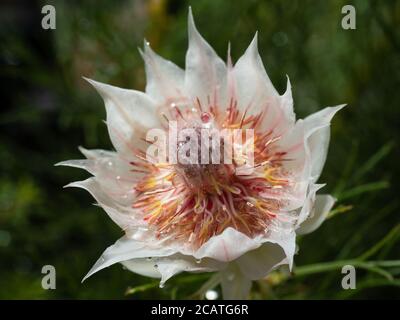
{"x": 207, "y": 218}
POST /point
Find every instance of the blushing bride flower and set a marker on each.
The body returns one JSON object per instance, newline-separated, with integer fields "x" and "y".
{"x": 205, "y": 218}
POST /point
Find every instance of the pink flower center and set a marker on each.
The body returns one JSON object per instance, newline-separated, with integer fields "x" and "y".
{"x": 193, "y": 202}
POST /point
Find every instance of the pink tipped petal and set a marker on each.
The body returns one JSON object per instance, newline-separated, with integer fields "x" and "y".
{"x": 323, "y": 204}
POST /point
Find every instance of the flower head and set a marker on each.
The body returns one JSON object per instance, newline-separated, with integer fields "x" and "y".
{"x": 202, "y": 216}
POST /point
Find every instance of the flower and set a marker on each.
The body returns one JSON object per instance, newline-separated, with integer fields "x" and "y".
{"x": 205, "y": 218}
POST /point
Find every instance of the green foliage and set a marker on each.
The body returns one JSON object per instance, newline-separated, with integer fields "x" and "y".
{"x": 48, "y": 111}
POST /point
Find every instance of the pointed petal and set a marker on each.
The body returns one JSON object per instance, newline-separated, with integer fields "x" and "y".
{"x": 113, "y": 175}
{"x": 130, "y": 114}
{"x": 205, "y": 75}
{"x": 318, "y": 131}
{"x": 307, "y": 145}
{"x": 165, "y": 80}
{"x": 256, "y": 93}
{"x": 97, "y": 153}
{"x": 126, "y": 249}
{"x": 323, "y": 204}
{"x": 287, "y": 103}
{"x": 119, "y": 211}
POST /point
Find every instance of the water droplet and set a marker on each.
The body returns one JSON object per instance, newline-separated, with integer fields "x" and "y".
{"x": 198, "y": 261}
{"x": 173, "y": 105}
{"x": 156, "y": 266}
{"x": 110, "y": 163}
{"x": 162, "y": 284}
{"x": 149, "y": 258}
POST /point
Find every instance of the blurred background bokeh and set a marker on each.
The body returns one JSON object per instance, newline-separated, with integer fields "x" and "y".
{"x": 47, "y": 111}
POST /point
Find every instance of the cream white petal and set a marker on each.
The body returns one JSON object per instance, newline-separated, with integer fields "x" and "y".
{"x": 169, "y": 266}
{"x": 97, "y": 153}
{"x": 130, "y": 114}
{"x": 287, "y": 103}
{"x": 318, "y": 134}
{"x": 172, "y": 265}
{"x": 112, "y": 174}
{"x": 306, "y": 144}
{"x": 143, "y": 266}
{"x": 323, "y": 204}
{"x": 157, "y": 261}
{"x": 255, "y": 92}
{"x": 205, "y": 74}
{"x": 165, "y": 80}
{"x": 221, "y": 249}
{"x": 308, "y": 204}
{"x": 235, "y": 285}
{"x": 123, "y": 215}
{"x": 126, "y": 249}
{"x": 256, "y": 264}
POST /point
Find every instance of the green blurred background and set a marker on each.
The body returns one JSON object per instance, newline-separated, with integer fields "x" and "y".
{"x": 47, "y": 111}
